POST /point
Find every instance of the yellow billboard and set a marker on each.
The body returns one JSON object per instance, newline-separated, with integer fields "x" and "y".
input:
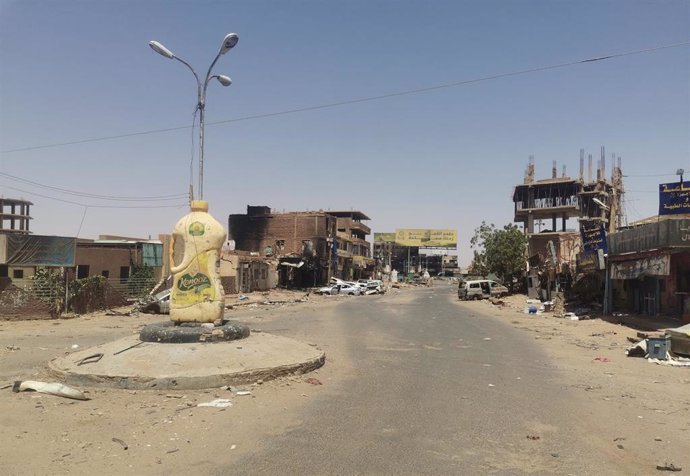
{"x": 426, "y": 238}
{"x": 378, "y": 237}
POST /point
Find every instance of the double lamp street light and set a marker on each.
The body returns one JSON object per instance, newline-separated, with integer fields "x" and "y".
{"x": 229, "y": 42}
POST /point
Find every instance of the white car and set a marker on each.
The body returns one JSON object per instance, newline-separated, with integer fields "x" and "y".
{"x": 340, "y": 289}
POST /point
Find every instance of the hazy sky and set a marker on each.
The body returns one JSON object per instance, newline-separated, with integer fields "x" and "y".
{"x": 445, "y": 158}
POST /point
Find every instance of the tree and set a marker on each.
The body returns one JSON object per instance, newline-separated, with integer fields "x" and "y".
{"x": 479, "y": 267}
{"x": 499, "y": 251}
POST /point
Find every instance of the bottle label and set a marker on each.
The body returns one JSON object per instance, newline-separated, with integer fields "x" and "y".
{"x": 194, "y": 286}
{"x": 196, "y": 283}
{"x": 197, "y": 229}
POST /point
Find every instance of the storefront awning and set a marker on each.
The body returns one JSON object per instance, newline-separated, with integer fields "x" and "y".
{"x": 633, "y": 269}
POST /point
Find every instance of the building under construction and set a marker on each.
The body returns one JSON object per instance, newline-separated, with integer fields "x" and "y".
{"x": 557, "y": 254}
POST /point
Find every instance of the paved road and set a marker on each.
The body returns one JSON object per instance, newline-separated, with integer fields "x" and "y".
{"x": 436, "y": 388}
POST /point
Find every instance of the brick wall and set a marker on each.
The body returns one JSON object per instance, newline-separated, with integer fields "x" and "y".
{"x": 256, "y": 233}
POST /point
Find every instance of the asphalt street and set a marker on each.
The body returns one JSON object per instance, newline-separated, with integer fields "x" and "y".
{"x": 435, "y": 388}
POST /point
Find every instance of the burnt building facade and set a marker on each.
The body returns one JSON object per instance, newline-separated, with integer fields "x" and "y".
{"x": 303, "y": 243}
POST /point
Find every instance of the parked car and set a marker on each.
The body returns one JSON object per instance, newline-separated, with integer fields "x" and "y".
{"x": 157, "y": 304}
{"x": 340, "y": 289}
{"x": 480, "y": 289}
{"x": 371, "y": 286}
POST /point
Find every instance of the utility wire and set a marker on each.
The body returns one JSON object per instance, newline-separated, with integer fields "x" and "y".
{"x": 359, "y": 100}
{"x": 90, "y": 195}
{"x": 94, "y": 206}
{"x": 649, "y": 175}
{"x": 82, "y": 221}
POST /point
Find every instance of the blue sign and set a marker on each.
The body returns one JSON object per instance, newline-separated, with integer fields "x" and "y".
{"x": 674, "y": 198}
{"x": 593, "y": 236}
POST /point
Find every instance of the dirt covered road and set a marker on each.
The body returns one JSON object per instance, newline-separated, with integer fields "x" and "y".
{"x": 638, "y": 412}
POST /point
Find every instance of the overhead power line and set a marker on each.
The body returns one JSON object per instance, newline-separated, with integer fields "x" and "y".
{"x": 358, "y": 100}
{"x": 91, "y": 195}
{"x": 94, "y": 206}
{"x": 649, "y": 175}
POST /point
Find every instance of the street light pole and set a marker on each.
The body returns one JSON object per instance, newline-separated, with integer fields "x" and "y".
{"x": 229, "y": 42}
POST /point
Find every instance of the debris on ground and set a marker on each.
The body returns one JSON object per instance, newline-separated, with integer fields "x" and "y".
{"x": 91, "y": 359}
{"x": 57, "y": 389}
{"x": 110, "y": 312}
{"x": 668, "y": 467}
{"x": 217, "y": 403}
{"x": 313, "y": 381}
{"x": 122, "y": 443}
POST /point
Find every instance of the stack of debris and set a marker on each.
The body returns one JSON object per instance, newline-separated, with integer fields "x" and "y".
{"x": 671, "y": 347}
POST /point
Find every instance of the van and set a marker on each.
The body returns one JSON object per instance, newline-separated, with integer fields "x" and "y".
{"x": 480, "y": 289}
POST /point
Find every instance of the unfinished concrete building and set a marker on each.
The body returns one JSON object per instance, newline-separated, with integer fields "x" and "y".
{"x": 14, "y": 216}
{"x": 557, "y": 253}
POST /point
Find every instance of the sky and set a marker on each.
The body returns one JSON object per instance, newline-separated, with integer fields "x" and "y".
{"x": 88, "y": 110}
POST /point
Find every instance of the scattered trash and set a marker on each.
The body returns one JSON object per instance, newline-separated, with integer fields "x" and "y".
{"x": 620, "y": 438}
{"x": 6, "y": 386}
{"x": 680, "y": 339}
{"x": 242, "y": 297}
{"x": 91, "y": 359}
{"x": 118, "y": 440}
{"x": 673, "y": 362}
{"x": 110, "y": 312}
{"x": 602, "y": 359}
{"x": 130, "y": 347}
{"x": 533, "y": 437}
{"x": 232, "y": 447}
{"x": 217, "y": 403}
{"x": 487, "y": 338}
{"x": 75, "y": 346}
{"x": 313, "y": 381}
{"x": 638, "y": 350}
{"x": 243, "y": 393}
{"x": 668, "y": 467}
{"x": 12, "y": 347}
{"x": 491, "y": 385}
{"x": 532, "y": 310}
{"x": 172, "y": 451}
{"x": 56, "y": 389}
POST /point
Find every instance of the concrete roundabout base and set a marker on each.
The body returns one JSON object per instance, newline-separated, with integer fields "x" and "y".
{"x": 130, "y": 363}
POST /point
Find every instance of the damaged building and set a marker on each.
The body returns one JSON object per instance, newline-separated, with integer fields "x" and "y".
{"x": 309, "y": 247}
{"x": 559, "y": 256}
{"x": 649, "y": 261}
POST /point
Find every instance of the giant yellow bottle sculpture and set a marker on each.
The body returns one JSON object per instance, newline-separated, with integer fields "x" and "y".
{"x": 197, "y": 294}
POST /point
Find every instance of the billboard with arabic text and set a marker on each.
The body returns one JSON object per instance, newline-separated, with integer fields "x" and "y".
{"x": 426, "y": 238}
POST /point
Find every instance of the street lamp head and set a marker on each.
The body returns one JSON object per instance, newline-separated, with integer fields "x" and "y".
{"x": 161, "y": 50}
{"x": 224, "y": 80}
{"x": 229, "y": 42}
